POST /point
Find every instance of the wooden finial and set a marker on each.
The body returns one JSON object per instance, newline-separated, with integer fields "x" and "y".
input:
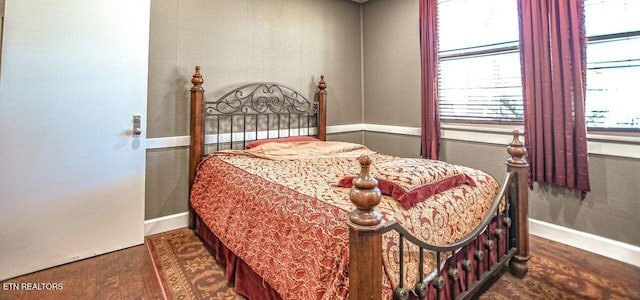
{"x": 322, "y": 86}
{"x": 365, "y": 195}
{"x": 517, "y": 150}
{"x": 197, "y": 81}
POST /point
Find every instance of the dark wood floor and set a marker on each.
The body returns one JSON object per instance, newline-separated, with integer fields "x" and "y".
{"x": 129, "y": 274}
{"x": 124, "y": 274}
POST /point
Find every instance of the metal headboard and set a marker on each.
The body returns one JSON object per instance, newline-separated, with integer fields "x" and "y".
{"x": 257, "y": 111}
{"x": 251, "y": 112}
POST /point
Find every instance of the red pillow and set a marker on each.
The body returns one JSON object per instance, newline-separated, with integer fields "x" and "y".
{"x": 302, "y": 138}
{"x": 411, "y": 181}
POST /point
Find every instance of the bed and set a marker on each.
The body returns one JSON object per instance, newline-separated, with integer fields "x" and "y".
{"x": 294, "y": 216}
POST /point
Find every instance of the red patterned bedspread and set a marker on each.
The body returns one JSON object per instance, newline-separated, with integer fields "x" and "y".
{"x": 285, "y": 218}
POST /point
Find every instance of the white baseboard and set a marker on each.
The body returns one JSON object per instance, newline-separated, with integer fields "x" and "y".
{"x": 166, "y": 223}
{"x": 596, "y": 244}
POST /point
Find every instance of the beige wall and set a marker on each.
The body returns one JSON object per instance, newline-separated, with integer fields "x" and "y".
{"x": 236, "y": 42}
{"x": 391, "y": 47}
{"x": 611, "y": 210}
{"x": 394, "y": 144}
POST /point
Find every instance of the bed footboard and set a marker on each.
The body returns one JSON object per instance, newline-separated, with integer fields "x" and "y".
{"x": 502, "y": 234}
{"x": 518, "y": 164}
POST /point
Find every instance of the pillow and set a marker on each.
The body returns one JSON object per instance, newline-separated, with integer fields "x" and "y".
{"x": 411, "y": 181}
{"x": 302, "y": 138}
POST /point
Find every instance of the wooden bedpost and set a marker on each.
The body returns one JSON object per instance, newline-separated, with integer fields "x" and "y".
{"x": 519, "y": 165}
{"x": 322, "y": 109}
{"x": 197, "y": 135}
{"x": 365, "y": 240}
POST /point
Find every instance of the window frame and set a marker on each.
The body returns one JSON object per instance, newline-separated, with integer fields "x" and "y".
{"x": 460, "y": 53}
{"x": 469, "y": 52}
{"x": 513, "y": 46}
{"x": 606, "y": 37}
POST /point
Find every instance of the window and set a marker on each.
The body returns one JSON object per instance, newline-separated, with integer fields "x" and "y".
{"x": 479, "y": 69}
{"x": 613, "y": 63}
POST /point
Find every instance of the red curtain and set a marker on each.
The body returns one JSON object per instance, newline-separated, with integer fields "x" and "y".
{"x": 430, "y": 117}
{"x": 552, "y": 52}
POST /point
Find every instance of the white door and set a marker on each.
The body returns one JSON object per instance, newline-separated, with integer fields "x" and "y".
{"x": 72, "y": 173}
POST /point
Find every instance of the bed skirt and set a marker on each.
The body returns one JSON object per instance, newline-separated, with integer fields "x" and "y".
{"x": 246, "y": 282}
{"x": 250, "y": 285}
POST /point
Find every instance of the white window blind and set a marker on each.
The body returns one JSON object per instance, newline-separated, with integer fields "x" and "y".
{"x": 613, "y": 63}
{"x": 479, "y": 69}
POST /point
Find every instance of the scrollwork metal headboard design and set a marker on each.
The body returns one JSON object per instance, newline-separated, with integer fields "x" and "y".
{"x": 261, "y": 98}
{"x": 257, "y": 111}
